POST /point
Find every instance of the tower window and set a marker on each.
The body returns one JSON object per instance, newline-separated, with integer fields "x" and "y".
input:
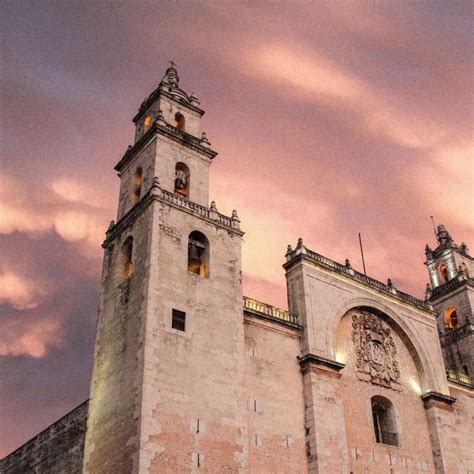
{"x": 384, "y": 421}
{"x": 443, "y": 273}
{"x": 137, "y": 190}
{"x": 464, "y": 269}
{"x": 198, "y": 254}
{"x": 451, "y": 318}
{"x": 178, "y": 121}
{"x": 127, "y": 250}
{"x": 178, "y": 320}
{"x": 147, "y": 122}
{"x": 181, "y": 180}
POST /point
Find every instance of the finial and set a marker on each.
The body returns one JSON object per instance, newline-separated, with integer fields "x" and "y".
{"x": 300, "y": 248}
{"x": 159, "y": 118}
{"x": 111, "y": 226}
{"x": 289, "y": 252}
{"x": 204, "y": 141}
{"x": 464, "y": 248}
{"x": 213, "y": 212}
{"x": 235, "y": 221}
{"x": 428, "y": 292}
{"x": 348, "y": 263}
{"x": 390, "y": 286}
{"x": 155, "y": 189}
{"x": 194, "y": 99}
{"x": 171, "y": 75}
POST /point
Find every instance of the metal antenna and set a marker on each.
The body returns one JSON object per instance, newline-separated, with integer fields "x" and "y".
{"x": 434, "y": 228}
{"x": 362, "y": 254}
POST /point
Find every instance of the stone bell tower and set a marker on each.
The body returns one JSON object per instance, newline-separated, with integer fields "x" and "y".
{"x": 451, "y": 292}
{"x": 168, "y": 362}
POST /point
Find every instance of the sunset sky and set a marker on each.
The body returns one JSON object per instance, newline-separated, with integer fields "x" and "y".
{"x": 330, "y": 118}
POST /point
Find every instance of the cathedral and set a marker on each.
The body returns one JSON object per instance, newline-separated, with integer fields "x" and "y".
{"x": 191, "y": 376}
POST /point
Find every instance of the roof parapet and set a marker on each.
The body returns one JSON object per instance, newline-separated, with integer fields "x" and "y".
{"x": 301, "y": 251}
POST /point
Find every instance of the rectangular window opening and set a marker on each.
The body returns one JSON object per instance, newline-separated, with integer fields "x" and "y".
{"x": 178, "y": 320}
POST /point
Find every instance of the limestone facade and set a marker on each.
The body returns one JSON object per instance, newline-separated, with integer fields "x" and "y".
{"x": 190, "y": 376}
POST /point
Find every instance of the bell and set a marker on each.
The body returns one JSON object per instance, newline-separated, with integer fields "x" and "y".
{"x": 194, "y": 260}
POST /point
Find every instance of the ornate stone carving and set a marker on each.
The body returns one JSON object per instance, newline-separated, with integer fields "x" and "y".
{"x": 375, "y": 350}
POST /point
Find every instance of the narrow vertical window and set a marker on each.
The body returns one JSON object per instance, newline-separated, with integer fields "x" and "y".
{"x": 443, "y": 273}
{"x": 198, "y": 254}
{"x": 147, "y": 122}
{"x": 383, "y": 417}
{"x": 451, "y": 318}
{"x": 127, "y": 251}
{"x": 137, "y": 190}
{"x": 178, "y": 320}
{"x": 181, "y": 180}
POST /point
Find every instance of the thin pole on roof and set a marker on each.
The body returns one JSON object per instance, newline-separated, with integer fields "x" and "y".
{"x": 434, "y": 228}
{"x": 362, "y": 254}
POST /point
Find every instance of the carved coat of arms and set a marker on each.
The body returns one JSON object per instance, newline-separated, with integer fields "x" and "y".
{"x": 375, "y": 350}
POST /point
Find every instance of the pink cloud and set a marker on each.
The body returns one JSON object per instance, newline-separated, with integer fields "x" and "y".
{"x": 32, "y": 340}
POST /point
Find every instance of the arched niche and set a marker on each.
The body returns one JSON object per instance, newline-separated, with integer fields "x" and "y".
{"x": 179, "y": 121}
{"x": 182, "y": 180}
{"x": 400, "y": 326}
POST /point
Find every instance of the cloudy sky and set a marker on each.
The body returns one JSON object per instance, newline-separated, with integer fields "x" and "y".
{"x": 330, "y": 118}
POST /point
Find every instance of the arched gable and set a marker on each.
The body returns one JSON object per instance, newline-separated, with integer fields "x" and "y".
{"x": 399, "y": 324}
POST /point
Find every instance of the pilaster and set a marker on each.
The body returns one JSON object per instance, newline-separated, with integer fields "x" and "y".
{"x": 326, "y": 446}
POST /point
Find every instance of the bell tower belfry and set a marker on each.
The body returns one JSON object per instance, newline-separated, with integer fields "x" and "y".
{"x": 168, "y": 361}
{"x": 451, "y": 292}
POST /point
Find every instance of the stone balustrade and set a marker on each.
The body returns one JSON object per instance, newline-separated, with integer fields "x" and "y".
{"x": 268, "y": 310}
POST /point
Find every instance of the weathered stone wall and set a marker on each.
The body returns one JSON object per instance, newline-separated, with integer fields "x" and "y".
{"x": 414, "y": 453}
{"x": 274, "y": 397}
{"x": 457, "y": 424}
{"x": 458, "y": 346}
{"x": 168, "y": 153}
{"x": 144, "y": 159}
{"x": 57, "y": 449}
{"x": 114, "y": 408}
{"x": 192, "y": 415}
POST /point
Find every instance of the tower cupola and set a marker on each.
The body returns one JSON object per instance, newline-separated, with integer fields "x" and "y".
{"x": 448, "y": 260}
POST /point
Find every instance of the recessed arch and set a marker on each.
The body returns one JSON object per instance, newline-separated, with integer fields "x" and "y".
{"x": 451, "y": 318}
{"x": 147, "y": 122}
{"x": 412, "y": 341}
{"x": 182, "y": 180}
{"x": 465, "y": 269}
{"x": 383, "y": 416}
{"x": 137, "y": 185}
{"x": 179, "y": 121}
{"x": 443, "y": 272}
{"x": 198, "y": 254}
{"x": 127, "y": 257}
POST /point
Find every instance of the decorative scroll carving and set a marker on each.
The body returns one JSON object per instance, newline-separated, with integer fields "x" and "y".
{"x": 375, "y": 350}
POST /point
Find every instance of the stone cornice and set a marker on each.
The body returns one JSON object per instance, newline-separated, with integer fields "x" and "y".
{"x": 272, "y": 313}
{"x": 301, "y": 253}
{"x": 449, "y": 286}
{"x": 317, "y": 364}
{"x": 454, "y": 335}
{"x": 437, "y": 399}
{"x": 183, "y": 138}
{"x": 156, "y": 94}
{"x": 156, "y": 193}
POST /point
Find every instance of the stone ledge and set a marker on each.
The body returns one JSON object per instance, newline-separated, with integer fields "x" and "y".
{"x": 437, "y": 399}
{"x": 317, "y": 364}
